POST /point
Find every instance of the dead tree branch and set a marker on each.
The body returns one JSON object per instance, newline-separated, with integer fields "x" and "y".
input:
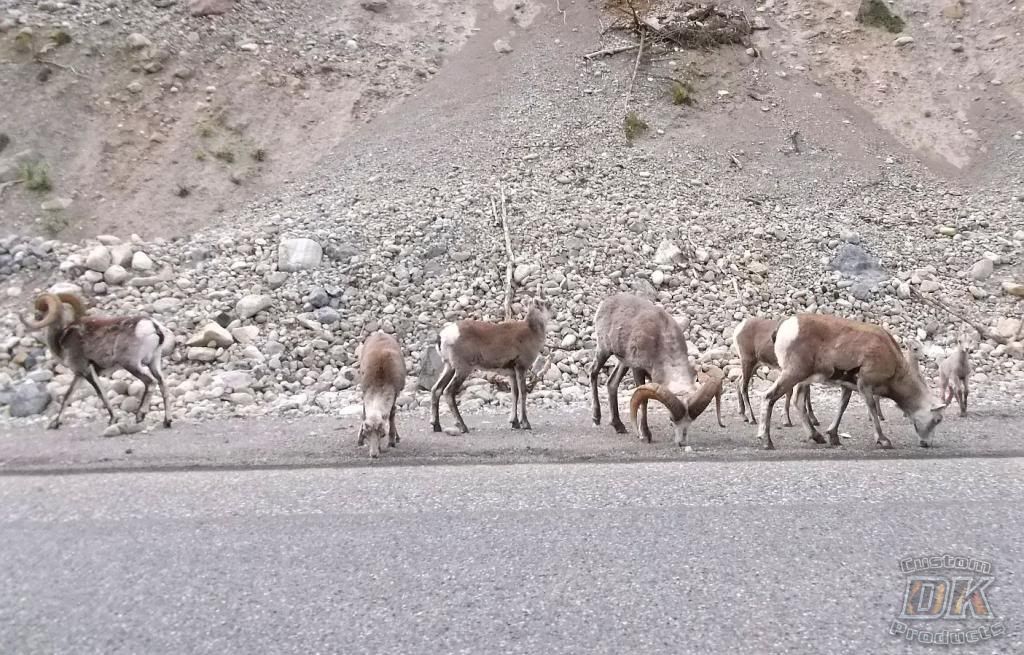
{"x": 611, "y": 51}
{"x": 636, "y": 67}
{"x": 938, "y": 304}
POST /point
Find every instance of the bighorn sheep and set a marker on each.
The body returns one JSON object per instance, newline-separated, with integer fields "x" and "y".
{"x": 382, "y": 378}
{"x": 855, "y": 356}
{"x": 645, "y": 339}
{"x": 89, "y": 345}
{"x": 752, "y": 341}
{"x": 468, "y": 345}
{"x": 953, "y": 374}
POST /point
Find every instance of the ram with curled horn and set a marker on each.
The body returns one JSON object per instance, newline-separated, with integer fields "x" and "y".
{"x": 89, "y": 345}
{"x": 646, "y": 340}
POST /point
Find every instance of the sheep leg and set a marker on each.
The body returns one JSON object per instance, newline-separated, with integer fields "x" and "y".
{"x": 55, "y": 423}
{"x": 147, "y": 382}
{"x": 872, "y": 402}
{"x": 833, "y": 430}
{"x": 599, "y": 361}
{"x": 746, "y": 376}
{"x": 789, "y": 397}
{"x": 963, "y": 397}
{"x": 521, "y": 375}
{"x": 393, "y": 437}
{"x": 447, "y": 373}
{"x": 878, "y": 408}
{"x": 154, "y": 368}
{"x": 785, "y": 382}
{"x": 450, "y": 392}
{"x": 613, "y": 396}
{"x": 513, "y": 378}
{"x": 94, "y": 380}
{"x": 801, "y": 410}
{"x": 640, "y": 378}
{"x": 810, "y": 410}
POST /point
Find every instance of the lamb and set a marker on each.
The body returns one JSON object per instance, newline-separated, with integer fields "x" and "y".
{"x": 752, "y": 341}
{"x": 90, "y": 345}
{"x": 953, "y": 374}
{"x": 855, "y": 356}
{"x": 646, "y": 340}
{"x": 381, "y": 378}
{"x": 468, "y": 345}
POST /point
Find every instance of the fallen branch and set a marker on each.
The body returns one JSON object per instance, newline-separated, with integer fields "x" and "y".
{"x": 611, "y": 51}
{"x": 938, "y": 304}
{"x": 3, "y": 187}
{"x": 636, "y": 67}
{"x": 61, "y": 66}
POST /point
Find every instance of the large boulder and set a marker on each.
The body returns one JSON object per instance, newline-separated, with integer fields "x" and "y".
{"x": 430, "y": 368}
{"x": 28, "y": 399}
{"x": 251, "y": 305}
{"x": 298, "y": 255}
{"x": 877, "y": 13}
{"x": 209, "y": 7}
{"x": 211, "y": 332}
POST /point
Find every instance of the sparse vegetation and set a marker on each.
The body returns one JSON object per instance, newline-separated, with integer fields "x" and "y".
{"x": 259, "y": 154}
{"x": 205, "y": 131}
{"x": 200, "y": 155}
{"x": 182, "y": 191}
{"x": 877, "y": 13}
{"x": 225, "y": 155}
{"x": 23, "y": 41}
{"x": 53, "y": 223}
{"x": 36, "y": 177}
{"x": 682, "y": 93}
{"x": 60, "y": 37}
{"x": 634, "y": 126}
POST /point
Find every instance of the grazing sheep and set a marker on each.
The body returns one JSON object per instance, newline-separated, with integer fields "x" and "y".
{"x": 381, "y": 378}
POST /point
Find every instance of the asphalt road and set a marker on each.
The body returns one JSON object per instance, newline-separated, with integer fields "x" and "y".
{"x": 657, "y": 557}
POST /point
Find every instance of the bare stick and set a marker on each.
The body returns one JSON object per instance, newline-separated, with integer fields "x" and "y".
{"x": 611, "y": 51}
{"x": 61, "y": 66}
{"x": 558, "y": 5}
{"x": 636, "y": 67}
{"x": 3, "y": 187}
{"x": 938, "y": 304}
{"x": 510, "y": 263}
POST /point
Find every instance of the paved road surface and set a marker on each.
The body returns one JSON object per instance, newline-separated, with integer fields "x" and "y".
{"x": 657, "y": 557}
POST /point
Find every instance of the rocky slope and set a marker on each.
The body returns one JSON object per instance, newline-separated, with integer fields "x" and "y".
{"x": 717, "y": 210}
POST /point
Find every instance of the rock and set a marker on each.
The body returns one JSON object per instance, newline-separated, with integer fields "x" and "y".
{"x": 209, "y": 7}
{"x": 56, "y": 204}
{"x": 197, "y": 354}
{"x": 877, "y": 13}
{"x": 298, "y": 255}
{"x": 1013, "y": 289}
{"x": 98, "y": 259}
{"x": 235, "y": 380}
{"x": 502, "y": 46}
{"x": 277, "y": 279}
{"x": 930, "y": 286}
{"x": 134, "y": 87}
{"x": 318, "y": 298}
{"x": 523, "y": 271}
{"x": 1007, "y": 327}
{"x": 137, "y": 41}
{"x": 430, "y": 367}
{"x": 245, "y": 335}
{"x": 115, "y": 275}
{"x": 982, "y": 269}
{"x": 668, "y": 254}
{"x": 142, "y": 262}
{"x": 568, "y": 341}
{"x": 166, "y": 305}
{"x": 4, "y": 141}
{"x": 855, "y": 261}
{"x": 947, "y": 230}
{"x": 903, "y": 41}
{"x": 657, "y": 278}
{"x": 211, "y": 332}
{"x": 29, "y": 399}
{"x": 374, "y": 6}
{"x": 251, "y": 305}
{"x": 327, "y": 315}
{"x": 121, "y": 254}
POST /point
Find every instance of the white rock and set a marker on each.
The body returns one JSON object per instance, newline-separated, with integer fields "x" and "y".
{"x": 98, "y": 259}
{"x": 298, "y": 255}
{"x": 245, "y": 335}
{"x": 211, "y": 332}
{"x": 142, "y": 262}
{"x": 667, "y": 253}
{"x": 166, "y": 305}
{"x": 251, "y": 305}
{"x": 982, "y": 269}
{"x": 115, "y": 275}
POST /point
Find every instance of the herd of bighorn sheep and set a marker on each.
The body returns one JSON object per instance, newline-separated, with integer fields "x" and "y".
{"x": 645, "y": 339}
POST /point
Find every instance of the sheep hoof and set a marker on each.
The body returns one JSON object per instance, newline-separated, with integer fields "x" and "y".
{"x": 53, "y": 425}
{"x": 437, "y": 427}
{"x": 925, "y": 444}
{"x": 515, "y": 425}
{"x": 619, "y": 427}
{"x": 789, "y": 424}
{"x": 167, "y": 422}
{"x": 597, "y": 420}
{"x": 833, "y": 438}
{"x": 884, "y": 443}
{"x": 768, "y": 445}
{"x": 817, "y": 437}
{"x": 526, "y": 425}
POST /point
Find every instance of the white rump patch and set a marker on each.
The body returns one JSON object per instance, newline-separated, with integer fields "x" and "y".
{"x": 148, "y": 340}
{"x": 788, "y": 332}
{"x": 449, "y": 335}
{"x": 736, "y": 335}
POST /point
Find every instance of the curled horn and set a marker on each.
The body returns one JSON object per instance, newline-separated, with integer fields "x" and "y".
{"x": 77, "y": 304}
{"x": 49, "y": 306}
{"x": 676, "y": 407}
